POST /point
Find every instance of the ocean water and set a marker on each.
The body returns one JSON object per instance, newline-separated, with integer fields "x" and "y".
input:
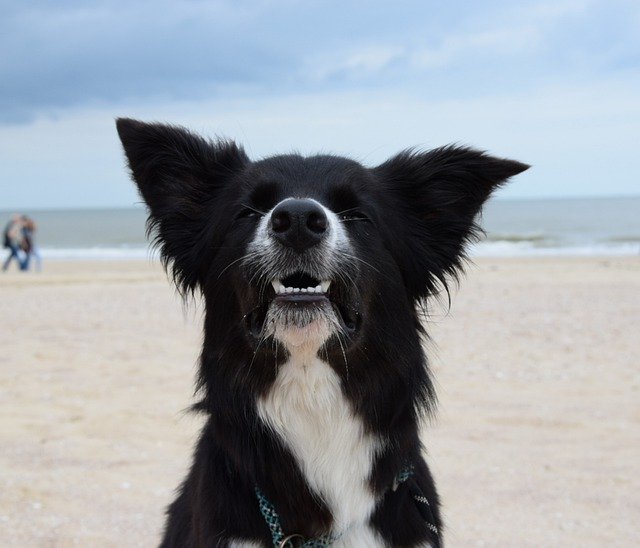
{"x": 589, "y": 226}
{"x": 570, "y": 226}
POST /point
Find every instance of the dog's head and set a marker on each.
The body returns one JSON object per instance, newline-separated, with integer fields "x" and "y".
{"x": 307, "y": 250}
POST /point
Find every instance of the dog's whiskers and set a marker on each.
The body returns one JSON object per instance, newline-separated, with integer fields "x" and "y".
{"x": 263, "y": 213}
{"x": 354, "y": 258}
{"x": 244, "y": 257}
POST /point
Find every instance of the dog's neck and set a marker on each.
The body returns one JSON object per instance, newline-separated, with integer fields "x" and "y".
{"x": 308, "y": 410}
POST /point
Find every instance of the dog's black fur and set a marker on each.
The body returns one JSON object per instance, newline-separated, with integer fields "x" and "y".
{"x": 408, "y": 221}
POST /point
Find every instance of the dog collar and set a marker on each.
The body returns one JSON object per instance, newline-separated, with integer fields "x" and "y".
{"x": 272, "y": 518}
{"x": 280, "y": 540}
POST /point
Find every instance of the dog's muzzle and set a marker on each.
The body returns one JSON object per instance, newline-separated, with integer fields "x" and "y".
{"x": 302, "y": 261}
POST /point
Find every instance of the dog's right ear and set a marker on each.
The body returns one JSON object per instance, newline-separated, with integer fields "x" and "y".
{"x": 179, "y": 175}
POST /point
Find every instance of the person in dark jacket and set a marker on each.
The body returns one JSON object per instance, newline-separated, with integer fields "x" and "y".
{"x": 13, "y": 239}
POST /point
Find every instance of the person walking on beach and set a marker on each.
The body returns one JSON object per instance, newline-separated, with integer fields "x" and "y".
{"x": 13, "y": 241}
{"x": 29, "y": 244}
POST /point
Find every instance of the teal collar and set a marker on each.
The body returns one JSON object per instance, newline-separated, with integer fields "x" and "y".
{"x": 280, "y": 540}
{"x": 290, "y": 541}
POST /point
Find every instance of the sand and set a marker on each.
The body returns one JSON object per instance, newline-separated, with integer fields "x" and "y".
{"x": 536, "y": 442}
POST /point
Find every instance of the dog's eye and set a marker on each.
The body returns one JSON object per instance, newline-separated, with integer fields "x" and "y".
{"x": 248, "y": 212}
{"x": 352, "y": 215}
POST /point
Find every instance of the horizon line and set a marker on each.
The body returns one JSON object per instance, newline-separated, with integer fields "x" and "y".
{"x": 141, "y": 206}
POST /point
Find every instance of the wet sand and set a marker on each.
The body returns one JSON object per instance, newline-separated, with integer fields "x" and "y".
{"x": 536, "y": 442}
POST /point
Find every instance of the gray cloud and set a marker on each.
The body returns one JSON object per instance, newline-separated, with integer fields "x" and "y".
{"x": 58, "y": 57}
{"x": 70, "y": 53}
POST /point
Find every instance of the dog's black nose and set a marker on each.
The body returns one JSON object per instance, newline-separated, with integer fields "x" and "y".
{"x": 299, "y": 223}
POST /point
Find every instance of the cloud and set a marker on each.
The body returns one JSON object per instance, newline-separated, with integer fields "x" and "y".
{"x": 551, "y": 83}
{"x": 501, "y": 43}
{"x": 577, "y": 143}
{"x": 115, "y": 51}
{"x": 355, "y": 64}
{"x": 63, "y": 54}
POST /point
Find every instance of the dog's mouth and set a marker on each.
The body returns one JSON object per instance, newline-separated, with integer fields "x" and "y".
{"x": 300, "y": 287}
{"x": 298, "y": 301}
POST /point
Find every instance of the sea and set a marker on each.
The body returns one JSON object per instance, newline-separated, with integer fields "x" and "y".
{"x": 532, "y": 227}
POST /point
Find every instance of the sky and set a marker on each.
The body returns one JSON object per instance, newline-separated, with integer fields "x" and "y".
{"x": 554, "y": 84}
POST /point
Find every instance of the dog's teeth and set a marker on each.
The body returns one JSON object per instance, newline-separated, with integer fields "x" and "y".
{"x": 277, "y": 285}
{"x": 321, "y": 288}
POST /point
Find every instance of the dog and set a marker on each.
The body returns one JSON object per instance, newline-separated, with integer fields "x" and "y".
{"x": 312, "y": 375}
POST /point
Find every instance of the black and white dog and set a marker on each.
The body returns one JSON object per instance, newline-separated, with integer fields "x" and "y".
{"x": 312, "y": 373}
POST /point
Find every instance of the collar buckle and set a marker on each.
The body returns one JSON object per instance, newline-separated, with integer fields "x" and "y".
{"x": 292, "y": 541}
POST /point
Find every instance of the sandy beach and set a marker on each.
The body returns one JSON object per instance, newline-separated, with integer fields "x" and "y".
{"x": 536, "y": 442}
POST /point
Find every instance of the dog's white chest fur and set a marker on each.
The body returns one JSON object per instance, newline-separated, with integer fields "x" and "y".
{"x": 307, "y": 409}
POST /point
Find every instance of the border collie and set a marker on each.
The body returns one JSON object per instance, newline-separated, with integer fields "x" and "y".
{"x": 312, "y": 374}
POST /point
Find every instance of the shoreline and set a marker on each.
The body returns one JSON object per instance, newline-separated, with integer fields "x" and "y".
{"x": 497, "y": 249}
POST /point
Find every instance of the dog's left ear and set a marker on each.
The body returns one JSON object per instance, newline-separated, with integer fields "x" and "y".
{"x": 179, "y": 175}
{"x": 436, "y": 197}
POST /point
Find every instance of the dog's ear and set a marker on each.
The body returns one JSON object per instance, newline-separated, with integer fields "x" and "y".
{"x": 178, "y": 175}
{"x": 437, "y": 196}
